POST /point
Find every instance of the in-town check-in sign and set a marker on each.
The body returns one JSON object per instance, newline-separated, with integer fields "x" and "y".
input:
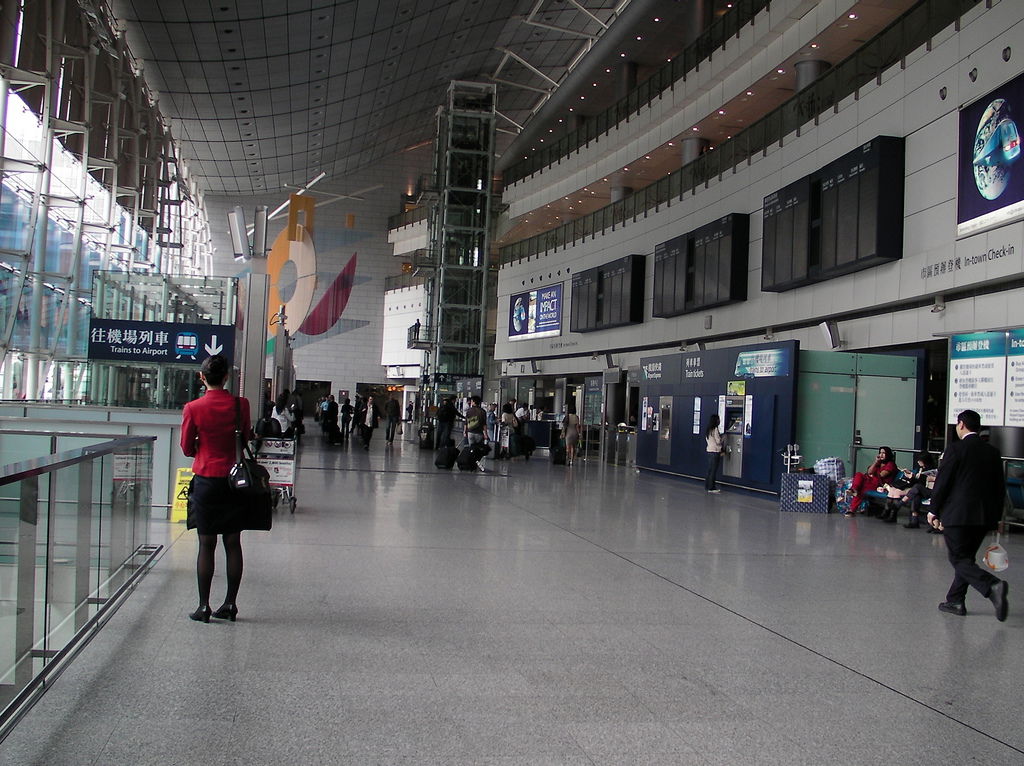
{"x": 127, "y": 340}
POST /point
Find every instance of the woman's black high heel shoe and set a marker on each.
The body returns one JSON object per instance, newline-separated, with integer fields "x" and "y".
{"x": 227, "y": 612}
{"x": 202, "y": 614}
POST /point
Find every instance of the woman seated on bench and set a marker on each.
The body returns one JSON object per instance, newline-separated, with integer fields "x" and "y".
{"x": 915, "y": 490}
{"x": 879, "y": 472}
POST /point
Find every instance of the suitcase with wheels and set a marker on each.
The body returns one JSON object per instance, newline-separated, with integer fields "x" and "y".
{"x": 527, "y": 445}
{"x": 467, "y": 459}
{"x": 515, "y": 445}
{"x": 558, "y": 453}
{"x": 334, "y": 434}
{"x": 446, "y": 457}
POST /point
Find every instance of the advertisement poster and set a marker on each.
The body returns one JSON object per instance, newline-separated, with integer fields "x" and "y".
{"x": 696, "y": 416}
{"x": 1015, "y": 378}
{"x": 535, "y": 314}
{"x": 990, "y": 176}
{"x": 748, "y": 415}
{"x": 645, "y": 415}
{"x": 977, "y": 376}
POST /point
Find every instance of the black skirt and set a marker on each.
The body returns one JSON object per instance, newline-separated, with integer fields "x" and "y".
{"x": 213, "y": 508}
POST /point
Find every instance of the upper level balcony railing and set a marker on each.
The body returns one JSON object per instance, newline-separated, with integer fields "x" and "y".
{"x": 415, "y": 215}
{"x": 400, "y": 281}
{"x": 74, "y": 541}
{"x": 728, "y": 25}
{"x": 907, "y": 33}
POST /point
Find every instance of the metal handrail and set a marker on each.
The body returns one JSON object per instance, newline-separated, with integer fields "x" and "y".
{"x": 14, "y": 472}
{"x": 663, "y": 79}
{"x": 23, "y": 702}
{"x": 408, "y": 217}
{"x": 907, "y": 33}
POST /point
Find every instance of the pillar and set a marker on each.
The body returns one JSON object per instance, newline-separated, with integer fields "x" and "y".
{"x": 691, "y": 148}
{"x": 808, "y": 71}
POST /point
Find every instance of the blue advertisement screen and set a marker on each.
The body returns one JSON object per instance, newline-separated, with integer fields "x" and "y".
{"x": 990, "y": 174}
{"x": 535, "y": 314}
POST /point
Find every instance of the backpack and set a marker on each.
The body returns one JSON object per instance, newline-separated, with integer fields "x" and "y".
{"x": 268, "y": 427}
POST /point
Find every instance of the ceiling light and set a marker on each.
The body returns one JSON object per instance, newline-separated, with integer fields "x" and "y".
{"x": 721, "y": 111}
{"x": 780, "y": 70}
{"x": 622, "y": 55}
{"x": 851, "y": 15}
{"x": 639, "y": 37}
{"x": 670, "y": 143}
{"x": 695, "y": 129}
{"x": 750, "y": 93}
{"x": 608, "y": 70}
{"x": 657, "y": 18}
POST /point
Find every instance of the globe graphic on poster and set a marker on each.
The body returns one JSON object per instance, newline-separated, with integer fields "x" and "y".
{"x": 519, "y": 315}
{"x": 996, "y": 147}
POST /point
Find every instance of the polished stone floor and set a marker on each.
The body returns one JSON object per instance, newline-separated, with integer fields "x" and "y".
{"x": 539, "y": 614}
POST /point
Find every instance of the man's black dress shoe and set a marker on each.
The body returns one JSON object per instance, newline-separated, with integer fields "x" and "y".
{"x": 998, "y": 598}
{"x": 953, "y": 607}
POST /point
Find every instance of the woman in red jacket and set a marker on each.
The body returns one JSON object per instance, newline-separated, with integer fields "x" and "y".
{"x": 208, "y": 435}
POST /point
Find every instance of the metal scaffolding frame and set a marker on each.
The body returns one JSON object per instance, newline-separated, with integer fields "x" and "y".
{"x": 459, "y": 234}
{"x": 74, "y": 72}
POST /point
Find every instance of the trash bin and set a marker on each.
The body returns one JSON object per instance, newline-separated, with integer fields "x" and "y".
{"x": 427, "y": 436}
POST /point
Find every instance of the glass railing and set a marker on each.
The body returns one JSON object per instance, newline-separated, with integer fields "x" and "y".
{"x": 408, "y": 217}
{"x": 689, "y": 60}
{"x": 907, "y": 33}
{"x": 400, "y": 281}
{"x": 74, "y": 541}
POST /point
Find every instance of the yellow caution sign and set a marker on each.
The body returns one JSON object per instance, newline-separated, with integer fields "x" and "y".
{"x": 179, "y": 510}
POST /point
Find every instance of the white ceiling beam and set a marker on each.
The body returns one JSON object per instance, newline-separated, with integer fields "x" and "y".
{"x": 528, "y": 65}
{"x": 588, "y": 13}
{"x": 503, "y": 81}
{"x": 563, "y": 30}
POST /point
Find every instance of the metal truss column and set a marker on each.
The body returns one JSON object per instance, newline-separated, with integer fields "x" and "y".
{"x": 460, "y": 231}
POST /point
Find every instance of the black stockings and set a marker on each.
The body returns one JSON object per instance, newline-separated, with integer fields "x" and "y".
{"x": 205, "y": 565}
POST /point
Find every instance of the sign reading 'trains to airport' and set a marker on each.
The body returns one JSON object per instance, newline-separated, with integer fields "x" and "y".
{"x": 1015, "y": 378}
{"x": 977, "y": 376}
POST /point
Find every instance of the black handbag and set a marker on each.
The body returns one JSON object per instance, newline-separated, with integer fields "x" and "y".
{"x": 250, "y": 481}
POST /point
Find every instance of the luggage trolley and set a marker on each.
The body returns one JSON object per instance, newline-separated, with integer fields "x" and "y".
{"x": 277, "y": 455}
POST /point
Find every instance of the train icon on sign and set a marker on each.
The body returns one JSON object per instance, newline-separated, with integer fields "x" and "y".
{"x": 186, "y": 344}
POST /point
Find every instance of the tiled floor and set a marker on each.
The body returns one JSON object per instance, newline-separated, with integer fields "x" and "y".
{"x": 539, "y": 614}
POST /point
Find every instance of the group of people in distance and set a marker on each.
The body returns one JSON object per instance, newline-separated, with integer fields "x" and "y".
{"x": 906, "y": 488}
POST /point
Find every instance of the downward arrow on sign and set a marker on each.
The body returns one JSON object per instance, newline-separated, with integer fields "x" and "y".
{"x": 213, "y": 348}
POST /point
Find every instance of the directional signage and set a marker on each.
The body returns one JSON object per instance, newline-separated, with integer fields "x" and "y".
{"x": 129, "y": 340}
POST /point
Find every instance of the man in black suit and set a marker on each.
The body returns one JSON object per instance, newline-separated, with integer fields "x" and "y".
{"x": 966, "y": 503}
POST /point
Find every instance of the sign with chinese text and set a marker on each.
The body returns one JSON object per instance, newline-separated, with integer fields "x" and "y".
{"x": 129, "y": 341}
{"x": 1015, "y": 378}
{"x": 766, "y": 363}
{"x": 977, "y": 376}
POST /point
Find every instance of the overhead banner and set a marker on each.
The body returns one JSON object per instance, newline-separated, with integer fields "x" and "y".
{"x": 132, "y": 341}
{"x": 535, "y": 314}
{"x": 990, "y": 177}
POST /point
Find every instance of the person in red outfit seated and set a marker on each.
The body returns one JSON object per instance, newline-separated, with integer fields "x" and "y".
{"x": 208, "y": 435}
{"x": 880, "y": 471}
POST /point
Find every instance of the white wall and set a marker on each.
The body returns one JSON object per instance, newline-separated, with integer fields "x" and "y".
{"x": 906, "y": 103}
{"x": 401, "y": 310}
{"x": 350, "y": 352}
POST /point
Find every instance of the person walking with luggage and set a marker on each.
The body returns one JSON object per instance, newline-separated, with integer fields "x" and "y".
{"x": 393, "y": 411}
{"x": 475, "y": 429}
{"x": 715, "y": 449}
{"x": 283, "y": 416}
{"x": 368, "y": 418}
{"x": 570, "y": 432}
{"x": 446, "y": 417}
{"x": 967, "y": 502}
{"x": 329, "y": 418}
{"x": 346, "y": 411}
{"x": 208, "y": 435}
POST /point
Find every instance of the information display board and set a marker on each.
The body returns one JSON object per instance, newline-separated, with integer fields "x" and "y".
{"x": 977, "y": 376}
{"x": 702, "y": 269}
{"x": 845, "y": 217}
{"x": 1014, "y": 415}
{"x": 592, "y": 401}
{"x": 608, "y": 296}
